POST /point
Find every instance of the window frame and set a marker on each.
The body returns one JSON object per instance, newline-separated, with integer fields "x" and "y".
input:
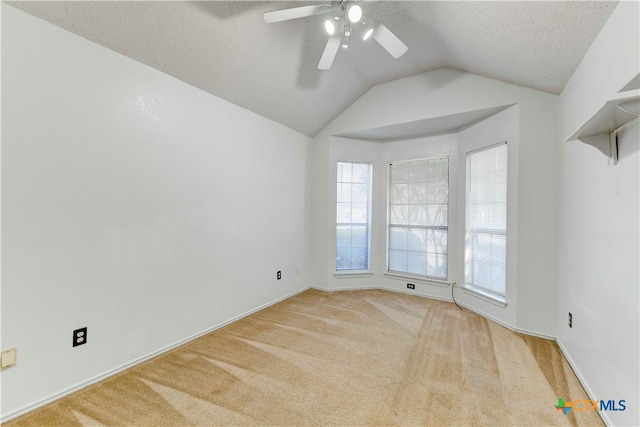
{"x": 483, "y": 291}
{"x": 438, "y": 280}
{"x": 352, "y": 272}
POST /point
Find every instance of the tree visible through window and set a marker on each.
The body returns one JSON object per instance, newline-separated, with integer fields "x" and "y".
{"x": 419, "y": 217}
{"x": 353, "y": 216}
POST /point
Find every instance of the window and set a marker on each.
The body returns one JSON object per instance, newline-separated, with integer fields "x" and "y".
{"x": 353, "y": 216}
{"x": 418, "y": 217}
{"x": 486, "y": 222}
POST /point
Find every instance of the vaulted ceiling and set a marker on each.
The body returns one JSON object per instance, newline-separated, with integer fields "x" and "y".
{"x": 227, "y": 49}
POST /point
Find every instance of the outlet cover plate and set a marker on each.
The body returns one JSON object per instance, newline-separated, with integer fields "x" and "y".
{"x": 80, "y": 336}
{"x": 9, "y": 358}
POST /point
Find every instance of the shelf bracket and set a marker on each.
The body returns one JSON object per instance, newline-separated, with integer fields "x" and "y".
{"x": 613, "y": 141}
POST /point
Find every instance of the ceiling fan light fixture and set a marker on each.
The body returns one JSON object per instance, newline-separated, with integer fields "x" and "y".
{"x": 342, "y": 17}
{"x": 329, "y": 27}
{"x": 367, "y": 33}
{"x": 346, "y": 37}
{"x": 354, "y": 13}
{"x": 345, "y": 42}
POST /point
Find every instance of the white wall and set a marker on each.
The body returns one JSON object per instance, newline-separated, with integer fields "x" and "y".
{"x": 598, "y": 227}
{"x": 133, "y": 204}
{"x": 439, "y": 93}
{"x": 599, "y": 271}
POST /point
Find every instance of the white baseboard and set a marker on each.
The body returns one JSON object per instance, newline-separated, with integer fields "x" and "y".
{"x": 582, "y": 380}
{"x": 535, "y": 334}
{"x": 384, "y": 288}
{"x": 351, "y": 288}
{"x": 401, "y": 291}
{"x": 30, "y": 407}
{"x": 415, "y": 294}
{"x": 493, "y": 319}
{"x": 507, "y": 325}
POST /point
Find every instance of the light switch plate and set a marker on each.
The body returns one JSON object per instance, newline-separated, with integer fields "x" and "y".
{"x": 9, "y": 358}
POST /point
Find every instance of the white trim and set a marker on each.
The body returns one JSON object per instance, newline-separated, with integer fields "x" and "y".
{"x": 478, "y": 293}
{"x": 402, "y": 291}
{"x": 434, "y": 297}
{"x": 535, "y": 334}
{"x": 353, "y": 288}
{"x": 352, "y": 274}
{"x": 488, "y": 147}
{"x": 468, "y": 307}
{"x": 55, "y": 396}
{"x": 418, "y": 279}
{"x": 498, "y": 321}
{"x": 582, "y": 381}
{"x": 507, "y": 325}
{"x": 446, "y": 299}
{"x": 384, "y": 288}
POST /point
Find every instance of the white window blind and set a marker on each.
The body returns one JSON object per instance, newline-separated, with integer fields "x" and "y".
{"x": 486, "y": 219}
{"x": 419, "y": 217}
{"x": 353, "y": 216}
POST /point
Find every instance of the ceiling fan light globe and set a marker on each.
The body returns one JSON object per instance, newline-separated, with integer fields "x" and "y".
{"x": 367, "y": 34}
{"x": 345, "y": 42}
{"x": 329, "y": 27}
{"x": 354, "y": 13}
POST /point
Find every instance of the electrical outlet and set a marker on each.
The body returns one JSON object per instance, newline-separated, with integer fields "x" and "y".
{"x": 570, "y": 320}
{"x": 9, "y": 358}
{"x": 411, "y": 286}
{"x": 79, "y": 336}
{"x": 279, "y": 275}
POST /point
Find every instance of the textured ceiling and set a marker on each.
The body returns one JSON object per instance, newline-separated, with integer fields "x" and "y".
{"x": 225, "y": 48}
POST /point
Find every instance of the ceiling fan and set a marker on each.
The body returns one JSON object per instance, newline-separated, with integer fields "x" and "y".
{"x": 345, "y": 19}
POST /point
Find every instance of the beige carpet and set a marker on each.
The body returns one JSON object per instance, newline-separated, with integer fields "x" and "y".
{"x": 339, "y": 358}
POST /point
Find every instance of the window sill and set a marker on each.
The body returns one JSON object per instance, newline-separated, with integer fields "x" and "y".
{"x": 416, "y": 279}
{"x": 493, "y": 299}
{"x": 352, "y": 274}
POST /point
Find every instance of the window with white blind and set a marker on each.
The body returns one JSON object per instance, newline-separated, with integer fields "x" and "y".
{"x": 419, "y": 217}
{"x": 486, "y": 220}
{"x": 353, "y": 216}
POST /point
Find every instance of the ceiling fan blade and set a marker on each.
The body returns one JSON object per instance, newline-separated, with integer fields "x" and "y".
{"x": 297, "y": 12}
{"x": 389, "y": 41}
{"x": 329, "y": 54}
